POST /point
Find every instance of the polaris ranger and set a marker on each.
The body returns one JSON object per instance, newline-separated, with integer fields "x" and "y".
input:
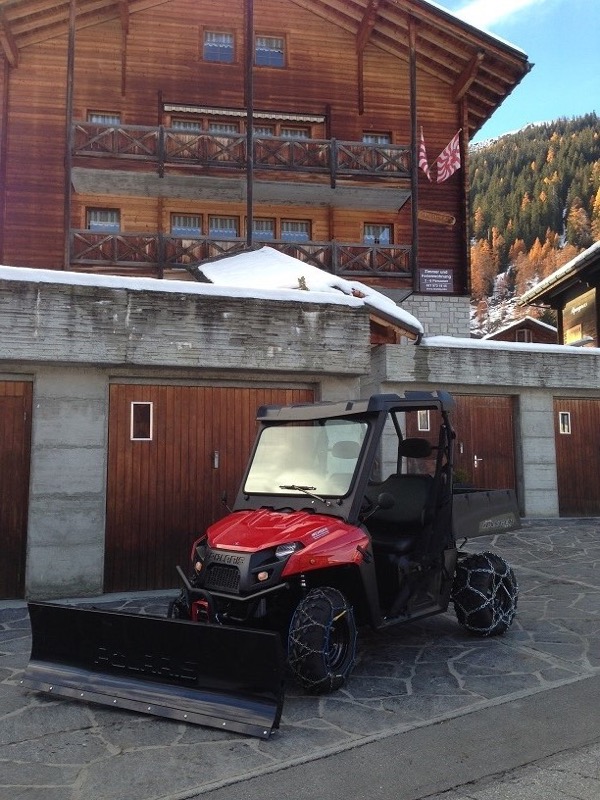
{"x": 344, "y": 517}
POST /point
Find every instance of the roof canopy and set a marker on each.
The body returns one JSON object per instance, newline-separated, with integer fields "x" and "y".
{"x": 475, "y": 65}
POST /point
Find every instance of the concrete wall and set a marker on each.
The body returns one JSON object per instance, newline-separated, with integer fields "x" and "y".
{"x": 533, "y": 374}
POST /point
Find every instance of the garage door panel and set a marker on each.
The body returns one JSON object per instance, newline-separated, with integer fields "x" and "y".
{"x": 163, "y": 492}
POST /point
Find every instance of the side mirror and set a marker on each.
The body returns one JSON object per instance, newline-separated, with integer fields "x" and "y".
{"x": 385, "y": 501}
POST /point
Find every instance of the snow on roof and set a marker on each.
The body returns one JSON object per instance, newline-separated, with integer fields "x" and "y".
{"x": 51, "y": 276}
{"x": 267, "y": 267}
{"x": 515, "y": 324}
{"x": 567, "y": 269}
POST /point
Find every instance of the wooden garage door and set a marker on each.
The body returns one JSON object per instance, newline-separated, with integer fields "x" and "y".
{"x": 577, "y": 434}
{"x": 15, "y": 446}
{"x": 173, "y": 451}
{"x": 485, "y": 441}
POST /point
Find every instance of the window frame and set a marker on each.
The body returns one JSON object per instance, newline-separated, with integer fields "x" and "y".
{"x": 377, "y": 239}
{"x": 220, "y": 48}
{"x": 99, "y": 227}
{"x": 148, "y": 423}
{"x": 186, "y": 232}
{"x": 212, "y": 232}
{"x": 273, "y": 37}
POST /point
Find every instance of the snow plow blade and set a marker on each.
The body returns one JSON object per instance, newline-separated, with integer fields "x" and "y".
{"x": 214, "y": 675}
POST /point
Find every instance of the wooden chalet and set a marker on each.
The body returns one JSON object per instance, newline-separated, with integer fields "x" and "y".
{"x": 573, "y": 291}
{"x": 527, "y": 330}
{"x": 141, "y": 136}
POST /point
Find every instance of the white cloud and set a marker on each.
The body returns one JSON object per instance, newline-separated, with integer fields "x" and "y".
{"x": 487, "y": 13}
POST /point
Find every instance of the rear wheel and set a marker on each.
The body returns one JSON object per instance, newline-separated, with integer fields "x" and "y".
{"x": 322, "y": 640}
{"x": 485, "y": 594}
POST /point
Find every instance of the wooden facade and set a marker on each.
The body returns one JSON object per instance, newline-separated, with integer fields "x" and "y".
{"x": 573, "y": 291}
{"x": 141, "y": 136}
{"x": 526, "y": 330}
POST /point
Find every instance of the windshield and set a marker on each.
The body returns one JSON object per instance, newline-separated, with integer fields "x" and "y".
{"x": 301, "y": 457}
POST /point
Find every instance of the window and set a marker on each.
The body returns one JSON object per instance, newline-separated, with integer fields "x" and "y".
{"x": 103, "y": 118}
{"x": 186, "y": 125}
{"x": 223, "y": 127}
{"x": 218, "y": 47}
{"x": 223, "y": 227}
{"x": 288, "y": 132}
{"x": 263, "y": 229}
{"x": 269, "y": 51}
{"x": 263, "y": 130}
{"x": 423, "y": 422}
{"x": 106, "y": 220}
{"x": 377, "y": 138}
{"x": 564, "y": 422}
{"x": 524, "y": 335}
{"x": 141, "y": 422}
{"x": 377, "y": 234}
{"x": 295, "y": 230}
{"x": 185, "y": 225}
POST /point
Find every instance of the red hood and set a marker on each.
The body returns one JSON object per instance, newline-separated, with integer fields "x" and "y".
{"x": 254, "y": 530}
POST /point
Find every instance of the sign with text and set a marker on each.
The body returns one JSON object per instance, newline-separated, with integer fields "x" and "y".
{"x": 436, "y": 280}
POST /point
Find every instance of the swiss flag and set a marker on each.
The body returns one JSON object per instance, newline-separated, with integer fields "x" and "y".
{"x": 448, "y": 160}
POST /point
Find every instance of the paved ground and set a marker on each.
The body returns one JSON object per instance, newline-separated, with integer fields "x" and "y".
{"x": 428, "y": 712}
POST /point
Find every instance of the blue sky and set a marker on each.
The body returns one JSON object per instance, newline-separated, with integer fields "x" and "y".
{"x": 562, "y": 40}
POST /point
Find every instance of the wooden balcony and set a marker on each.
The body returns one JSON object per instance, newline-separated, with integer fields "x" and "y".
{"x": 156, "y": 255}
{"x": 165, "y": 147}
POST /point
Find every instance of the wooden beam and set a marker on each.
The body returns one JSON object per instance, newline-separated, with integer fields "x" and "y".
{"x": 7, "y": 41}
{"x": 366, "y": 25}
{"x": 124, "y": 17}
{"x": 467, "y": 76}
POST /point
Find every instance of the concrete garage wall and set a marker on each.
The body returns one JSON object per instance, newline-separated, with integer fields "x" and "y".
{"x": 65, "y": 544}
{"x": 532, "y": 374}
{"x": 73, "y": 340}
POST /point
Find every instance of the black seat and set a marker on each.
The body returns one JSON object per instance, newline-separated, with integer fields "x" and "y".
{"x": 393, "y": 530}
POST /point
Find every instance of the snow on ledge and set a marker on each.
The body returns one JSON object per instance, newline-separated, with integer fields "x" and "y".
{"x": 517, "y": 347}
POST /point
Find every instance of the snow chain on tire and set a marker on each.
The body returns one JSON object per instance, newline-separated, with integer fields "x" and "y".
{"x": 485, "y": 594}
{"x": 322, "y": 640}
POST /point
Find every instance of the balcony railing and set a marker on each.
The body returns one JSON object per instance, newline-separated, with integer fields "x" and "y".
{"x": 168, "y": 146}
{"x": 150, "y": 253}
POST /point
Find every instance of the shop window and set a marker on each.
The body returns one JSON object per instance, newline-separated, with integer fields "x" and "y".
{"x": 218, "y": 47}
{"x": 269, "y": 51}
{"x": 141, "y": 422}
{"x": 104, "y": 220}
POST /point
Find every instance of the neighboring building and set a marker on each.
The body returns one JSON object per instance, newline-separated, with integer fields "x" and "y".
{"x": 525, "y": 330}
{"x": 126, "y": 125}
{"x": 573, "y": 291}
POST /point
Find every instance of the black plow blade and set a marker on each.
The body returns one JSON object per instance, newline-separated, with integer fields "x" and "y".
{"x": 223, "y": 677}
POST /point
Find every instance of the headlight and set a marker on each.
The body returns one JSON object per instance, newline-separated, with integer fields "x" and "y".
{"x": 286, "y": 550}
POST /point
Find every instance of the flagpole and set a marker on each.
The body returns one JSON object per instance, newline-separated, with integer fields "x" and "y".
{"x": 414, "y": 175}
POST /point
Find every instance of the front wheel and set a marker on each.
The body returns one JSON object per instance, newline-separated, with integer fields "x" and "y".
{"x": 485, "y": 594}
{"x": 322, "y": 640}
